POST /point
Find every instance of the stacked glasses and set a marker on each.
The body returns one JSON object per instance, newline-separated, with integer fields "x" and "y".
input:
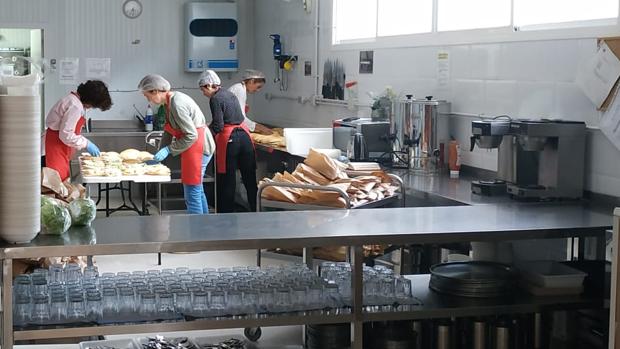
{"x": 381, "y": 286}
{"x": 65, "y": 294}
{"x": 59, "y": 295}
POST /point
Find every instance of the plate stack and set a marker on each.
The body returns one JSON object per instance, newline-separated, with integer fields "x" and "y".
{"x": 477, "y": 279}
{"x": 20, "y": 170}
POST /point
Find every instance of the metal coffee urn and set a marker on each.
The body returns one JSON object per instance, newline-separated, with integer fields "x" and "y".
{"x": 418, "y": 129}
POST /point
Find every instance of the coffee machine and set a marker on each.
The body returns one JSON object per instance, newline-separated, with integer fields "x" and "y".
{"x": 537, "y": 159}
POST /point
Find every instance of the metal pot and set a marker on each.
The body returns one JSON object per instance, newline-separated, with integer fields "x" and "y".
{"x": 418, "y": 129}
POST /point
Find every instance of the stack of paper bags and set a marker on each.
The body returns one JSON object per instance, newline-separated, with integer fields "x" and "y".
{"x": 320, "y": 170}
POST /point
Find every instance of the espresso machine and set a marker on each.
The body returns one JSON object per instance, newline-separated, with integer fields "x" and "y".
{"x": 537, "y": 159}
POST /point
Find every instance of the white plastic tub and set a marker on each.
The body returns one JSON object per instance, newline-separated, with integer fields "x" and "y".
{"x": 113, "y": 343}
{"x": 300, "y": 140}
{"x": 550, "y": 274}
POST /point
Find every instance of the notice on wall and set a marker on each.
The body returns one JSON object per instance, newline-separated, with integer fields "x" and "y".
{"x": 598, "y": 75}
{"x": 98, "y": 68}
{"x": 443, "y": 68}
{"x": 69, "y": 69}
{"x": 610, "y": 122}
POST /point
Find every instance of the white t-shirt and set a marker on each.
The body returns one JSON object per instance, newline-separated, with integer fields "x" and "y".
{"x": 239, "y": 91}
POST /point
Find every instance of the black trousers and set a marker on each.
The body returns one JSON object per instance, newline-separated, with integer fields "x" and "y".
{"x": 239, "y": 156}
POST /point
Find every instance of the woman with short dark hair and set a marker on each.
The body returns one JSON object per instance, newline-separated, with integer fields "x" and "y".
{"x": 64, "y": 125}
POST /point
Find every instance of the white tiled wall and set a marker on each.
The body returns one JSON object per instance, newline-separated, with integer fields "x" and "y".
{"x": 534, "y": 79}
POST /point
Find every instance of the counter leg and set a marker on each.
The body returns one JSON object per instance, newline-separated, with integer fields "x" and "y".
{"x": 144, "y": 200}
{"x": 258, "y": 257}
{"x": 7, "y": 304}
{"x": 357, "y": 293}
{"x": 107, "y": 200}
{"x": 308, "y": 258}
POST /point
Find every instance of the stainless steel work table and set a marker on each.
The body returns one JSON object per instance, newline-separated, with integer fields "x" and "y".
{"x": 130, "y": 235}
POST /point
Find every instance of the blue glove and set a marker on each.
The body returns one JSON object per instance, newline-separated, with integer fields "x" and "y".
{"x": 162, "y": 154}
{"x": 92, "y": 149}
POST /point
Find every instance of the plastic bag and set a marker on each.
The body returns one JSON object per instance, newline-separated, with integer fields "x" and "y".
{"x": 55, "y": 218}
{"x": 83, "y": 211}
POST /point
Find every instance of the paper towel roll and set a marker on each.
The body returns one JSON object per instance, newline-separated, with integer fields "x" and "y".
{"x": 20, "y": 173}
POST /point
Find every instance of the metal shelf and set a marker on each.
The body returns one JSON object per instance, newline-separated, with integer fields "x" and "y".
{"x": 437, "y": 306}
{"x": 202, "y": 324}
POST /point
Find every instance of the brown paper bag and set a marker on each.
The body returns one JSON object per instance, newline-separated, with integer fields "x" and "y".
{"x": 323, "y": 164}
{"x": 50, "y": 180}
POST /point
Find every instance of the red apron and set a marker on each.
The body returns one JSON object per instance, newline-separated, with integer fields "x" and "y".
{"x": 191, "y": 158}
{"x": 221, "y": 143}
{"x": 58, "y": 154}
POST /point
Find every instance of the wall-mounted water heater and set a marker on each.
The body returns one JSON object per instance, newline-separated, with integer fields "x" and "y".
{"x": 211, "y": 36}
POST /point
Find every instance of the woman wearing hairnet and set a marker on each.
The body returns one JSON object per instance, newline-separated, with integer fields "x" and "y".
{"x": 235, "y": 149}
{"x": 185, "y": 134}
{"x": 251, "y": 81}
{"x": 64, "y": 125}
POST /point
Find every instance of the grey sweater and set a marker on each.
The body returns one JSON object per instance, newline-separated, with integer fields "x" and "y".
{"x": 185, "y": 115}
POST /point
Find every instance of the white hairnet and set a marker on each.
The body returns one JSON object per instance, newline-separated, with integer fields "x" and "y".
{"x": 154, "y": 82}
{"x": 252, "y": 74}
{"x": 209, "y": 77}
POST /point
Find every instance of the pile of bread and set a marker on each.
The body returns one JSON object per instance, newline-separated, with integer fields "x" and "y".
{"x": 275, "y": 139}
{"x": 129, "y": 162}
{"x": 320, "y": 170}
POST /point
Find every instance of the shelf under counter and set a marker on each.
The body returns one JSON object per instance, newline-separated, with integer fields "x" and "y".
{"x": 200, "y": 324}
{"x": 435, "y": 305}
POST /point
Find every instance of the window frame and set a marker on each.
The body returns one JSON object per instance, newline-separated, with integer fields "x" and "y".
{"x": 552, "y": 31}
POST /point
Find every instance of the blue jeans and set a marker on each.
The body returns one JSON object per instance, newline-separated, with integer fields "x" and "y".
{"x": 195, "y": 198}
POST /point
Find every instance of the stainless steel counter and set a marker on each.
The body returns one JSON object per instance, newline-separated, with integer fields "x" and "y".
{"x": 126, "y": 235}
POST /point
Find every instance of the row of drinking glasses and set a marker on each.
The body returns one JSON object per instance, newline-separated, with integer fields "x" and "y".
{"x": 381, "y": 286}
{"x": 57, "y": 296}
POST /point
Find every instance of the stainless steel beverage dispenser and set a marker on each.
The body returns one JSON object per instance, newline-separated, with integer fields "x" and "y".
{"x": 418, "y": 129}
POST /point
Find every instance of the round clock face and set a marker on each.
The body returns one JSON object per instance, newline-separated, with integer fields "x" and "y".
{"x": 132, "y": 8}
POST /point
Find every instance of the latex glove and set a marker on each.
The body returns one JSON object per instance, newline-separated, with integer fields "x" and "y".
{"x": 162, "y": 154}
{"x": 92, "y": 149}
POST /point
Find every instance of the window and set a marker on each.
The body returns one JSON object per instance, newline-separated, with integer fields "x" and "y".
{"x": 536, "y": 12}
{"x": 472, "y": 14}
{"x": 390, "y": 22}
{"x": 402, "y": 17}
{"x": 356, "y": 19}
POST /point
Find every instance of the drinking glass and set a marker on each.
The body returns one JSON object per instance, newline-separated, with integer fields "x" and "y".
{"x": 298, "y": 298}
{"x": 218, "y": 302}
{"x": 315, "y": 296}
{"x": 403, "y": 288}
{"x": 94, "y": 307}
{"x": 234, "y": 302}
{"x": 21, "y": 285}
{"x": 126, "y": 300}
{"x": 282, "y": 299}
{"x": 165, "y": 304}
{"x": 332, "y": 296}
{"x": 387, "y": 290}
{"x": 39, "y": 285}
{"x": 265, "y": 300}
{"x": 73, "y": 272}
{"x": 75, "y": 310}
{"x": 148, "y": 306}
{"x": 250, "y": 301}
{"x": 56, "y": 273}
{"x": 110, "y": 302}
{"x": 90, "y": 272}
{"x": 40, "y": 309}
{"x": 200, "y": 303}
{"x": 183, "y": 303}
{"x": 181, "y": 270}
{"x": 22, "y": 309}
{"x": 58, "y": 306}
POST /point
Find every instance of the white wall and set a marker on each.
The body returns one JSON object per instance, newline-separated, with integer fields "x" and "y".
{"x": 98, "y": 29}
{"x": 532, "y": 79}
